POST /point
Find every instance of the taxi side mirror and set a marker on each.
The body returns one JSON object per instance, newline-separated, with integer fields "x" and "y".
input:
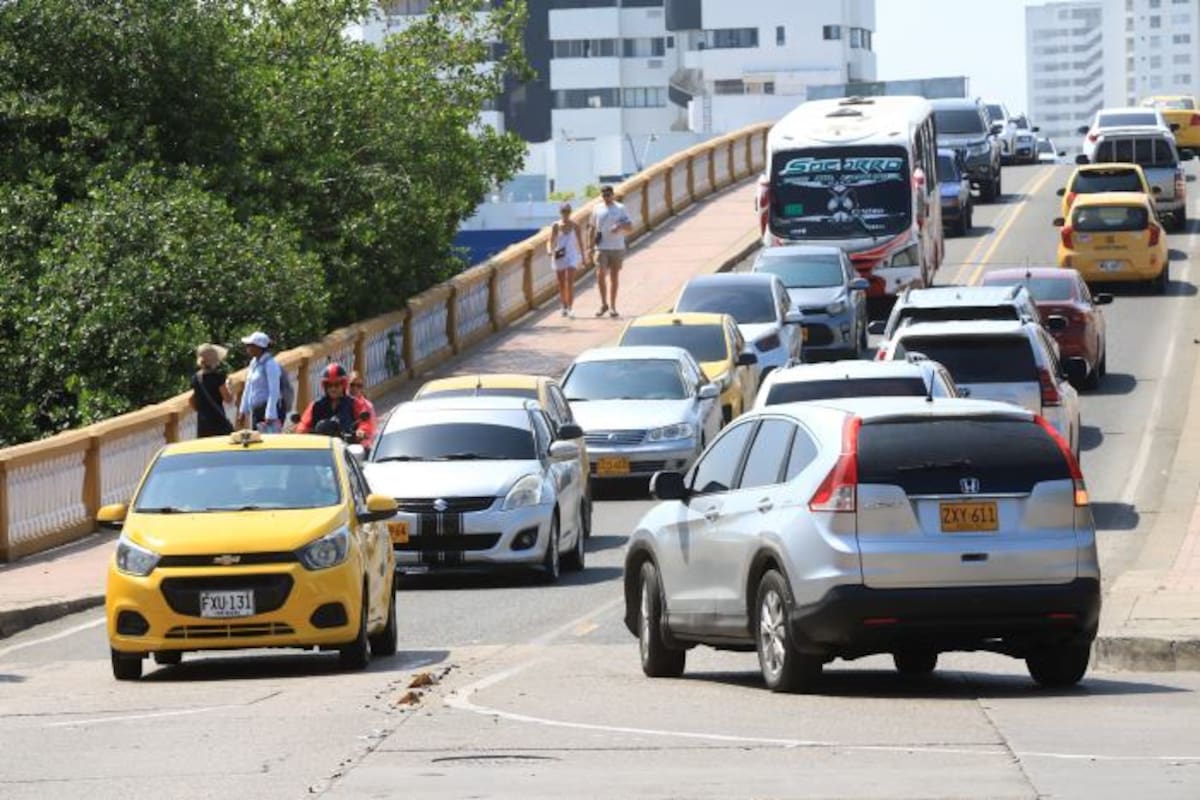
{"x": 1061, "y": 191}
{"x": 379, "y": 508}
{"x": 569, "y": 431}
{"x": 1102, "y": 299}
{"x": 1058, "y": 222}
{"x": 112, "y": 517}
{"x": 747, "y": 359}
{"x": 876, "y": 327}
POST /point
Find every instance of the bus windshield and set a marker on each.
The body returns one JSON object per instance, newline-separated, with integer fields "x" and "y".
{"x": 840, "y": 192}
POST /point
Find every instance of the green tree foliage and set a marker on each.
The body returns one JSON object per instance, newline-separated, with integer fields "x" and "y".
{"x": 172, "y": 173}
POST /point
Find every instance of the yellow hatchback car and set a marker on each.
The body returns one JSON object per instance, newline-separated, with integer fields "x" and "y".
{"x": 1095, "y": 178}
{"x": 1182, "y": 115}
{"x": 717, "y": 345}
{"x": 251, "y": 540}
{"x": 1115, "y": 237}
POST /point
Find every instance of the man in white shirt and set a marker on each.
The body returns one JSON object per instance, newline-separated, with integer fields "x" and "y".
{"x": 261, "y": 405}
{"x": 607, "y": 230}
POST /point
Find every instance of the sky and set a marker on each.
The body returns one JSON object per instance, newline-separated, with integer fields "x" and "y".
{"x": 982, "y": 39}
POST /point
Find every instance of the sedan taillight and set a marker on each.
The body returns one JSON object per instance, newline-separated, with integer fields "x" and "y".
{"x": 1050, "y": 393}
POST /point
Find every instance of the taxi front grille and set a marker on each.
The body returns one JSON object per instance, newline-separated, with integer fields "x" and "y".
{"x": 270, "y": 591}
{"x": 232, "y": 630}
{"x": 229, "y": 560}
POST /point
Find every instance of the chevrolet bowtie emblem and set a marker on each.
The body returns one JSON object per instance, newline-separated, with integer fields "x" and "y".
{"x": 227, "y": 560}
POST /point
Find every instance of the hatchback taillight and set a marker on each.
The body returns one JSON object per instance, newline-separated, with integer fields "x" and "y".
{"x": 1155, "y": 233}
{"x": 1081, "y": 492}
{"x": 1050, "y": 394}
{"x": 839, "y": 491}
{"x": 1195, "y": 119}
{"x": 1071, "y": 198}
{"x": 1067, "y": 232}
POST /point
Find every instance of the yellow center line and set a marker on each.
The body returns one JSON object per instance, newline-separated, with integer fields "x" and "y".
{"x": 999, "y": 235}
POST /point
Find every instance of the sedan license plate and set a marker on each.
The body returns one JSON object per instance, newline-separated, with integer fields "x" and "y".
{"x": 969, "y": 517}
{"x": 227, "y": 604}
{"x": 398, "y": 531}
{"x": 1112, "y": 266}
{"x": 612, "y": 465}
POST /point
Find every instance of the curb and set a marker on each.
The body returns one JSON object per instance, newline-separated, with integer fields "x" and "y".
{"x": 18, "y": 619}
{"x": 1145, "y": 653}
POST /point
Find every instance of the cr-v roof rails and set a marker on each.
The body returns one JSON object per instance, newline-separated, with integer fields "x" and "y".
{"x": 857, "y": 100}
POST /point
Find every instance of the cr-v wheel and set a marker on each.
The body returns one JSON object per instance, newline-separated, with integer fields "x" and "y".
{"x": 658, "y": 660}
{"x": 1059, "y": 667}
{"x": 915, "y": 661}
{"x": 783, "y": 669}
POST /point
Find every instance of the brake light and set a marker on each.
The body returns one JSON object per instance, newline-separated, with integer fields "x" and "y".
{"x": 1081, "y": 492}
{"x": 1195, "y": 119}
{"x": 1155, "y": 233}
{"x": 1050, "y": 395}
{"x": 1066, "y": 233}
{"x": 839, "y": 491}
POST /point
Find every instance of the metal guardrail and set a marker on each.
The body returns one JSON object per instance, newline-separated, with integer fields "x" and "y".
{"x": 50, "y": 490}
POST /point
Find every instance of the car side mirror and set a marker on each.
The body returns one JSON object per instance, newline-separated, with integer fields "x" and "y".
{"x": 1062, "y": 191}
{"x": 564, "y": 451}
{"x": 1102, "y": 299}
{"x": 860, "y": 285}
{"x": 1062, "y": 154}
{"x": 1058, "y": 222}
{"x": 1036, "y": 129}
{"x": 793, "y": 318}
{"x": 1056, "y": 323}
{"x": 876, "y": 327}
{"x": 709, "y": 391}
{"x": 1081, "y": 159}
{"x": 668, "y": 486}
{"x": 1191, "y": 179}
{"x": 112, "y": 517}
{"x": 997, "y": 129}
{"x": 1174, "y": 127}
{"x": 357, "y": 452}
{"x": 1082, "y": 130}
{"x": 1156, "y": 190}
{"x": 747, "y": 359}
{"x": 569, "y": 431}
{"x": 1076, "y": 369}
{"x": 379, "y": 508}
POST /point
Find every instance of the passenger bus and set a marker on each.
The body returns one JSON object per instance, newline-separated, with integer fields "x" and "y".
{"x": 859, "y": 173}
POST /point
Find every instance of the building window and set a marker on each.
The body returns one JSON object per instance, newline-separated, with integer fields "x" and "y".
{"x": 831, "y": 32}
{"x": 1181, "y": 38}
{"x": 644, "y": 97}
{"x": 735, "y": 86}
{"x": 584, "y": 48}
{"x": 856, "y": 38}
{"x": 1183, "y": 79}
{"x": 644, "y": 47}
{"x": 406, "y": 8}
{"x": 587, "y": 98}
{"x": 730, "y": 38}
{"x": 1155, "y": 21}
{"x": 780, "y": 36}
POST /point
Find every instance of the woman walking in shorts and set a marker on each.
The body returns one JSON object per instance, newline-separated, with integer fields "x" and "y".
{"x": 566, "y": 248}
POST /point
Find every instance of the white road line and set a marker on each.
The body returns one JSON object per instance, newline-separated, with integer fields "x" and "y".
{"x": 51, "y": 638}
{"x": 149, "y": 715}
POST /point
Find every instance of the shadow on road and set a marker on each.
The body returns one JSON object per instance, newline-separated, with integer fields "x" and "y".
{"x": 597, "y": 543}
{"x": 1090, "y": 437}
{"x": 530, "y": 578}
{"x": 1116, "y": 383}
{"x": 1115, "y": 516}
{"x": 622, "y": 489}
{"x": 8, "y": 678}
{"x": 274, "y": 666}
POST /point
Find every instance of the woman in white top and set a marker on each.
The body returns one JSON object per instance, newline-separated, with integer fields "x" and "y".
{"x": 566, "y": 248}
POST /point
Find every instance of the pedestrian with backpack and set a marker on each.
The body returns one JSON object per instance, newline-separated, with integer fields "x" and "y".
{"x": 210, "y": 392}
{"x": 263, "y": 405}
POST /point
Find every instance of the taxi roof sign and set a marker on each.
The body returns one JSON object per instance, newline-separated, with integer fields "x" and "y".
{"x": 245, "y": 438}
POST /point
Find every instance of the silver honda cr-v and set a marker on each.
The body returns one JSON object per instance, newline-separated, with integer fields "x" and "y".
{"x": 847, "y": 528}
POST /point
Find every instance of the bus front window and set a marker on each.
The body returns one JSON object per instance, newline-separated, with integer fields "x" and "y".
{"x": 840, "y": 192}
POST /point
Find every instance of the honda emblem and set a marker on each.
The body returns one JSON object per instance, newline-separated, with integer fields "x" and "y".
{"x": 969, "y": 485}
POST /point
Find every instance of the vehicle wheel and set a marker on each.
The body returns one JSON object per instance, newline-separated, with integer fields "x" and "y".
{"x": 987, "y": 190}
{"x": 998, "y": 188}
{"x": 384, "y": 643}
{"x": 1102, "y": 369}
{"x": 969, "y": 222}
{"x": 658, "y": 660}
{"x": 168, "y": 658}
{"x": 357, "y": 654}
{"x": 864, "y": 341}
{"x": 1057, "y": 667}
{"x": 578, "y": 555}
{"x": 551, "y": 563}
{"x": 126, "y": 666}
{"x": 783, "y": 669}
{"x": 915, "y": 662}
{"x": 1163, "y": 280}
{"x": 586, "y": 513}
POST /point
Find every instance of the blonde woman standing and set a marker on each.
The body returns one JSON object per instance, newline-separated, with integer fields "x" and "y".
{"x": 566, "y": 248}
{"x": 210, "y": 392}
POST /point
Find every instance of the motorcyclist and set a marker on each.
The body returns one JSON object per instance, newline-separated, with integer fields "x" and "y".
{"x": 351, "y": 413}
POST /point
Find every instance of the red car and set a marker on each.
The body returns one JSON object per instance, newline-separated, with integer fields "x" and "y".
{"x": 1061, "y": 292}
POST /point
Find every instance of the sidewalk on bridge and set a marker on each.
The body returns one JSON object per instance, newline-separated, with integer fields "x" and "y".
{"x": 712, "y": 235}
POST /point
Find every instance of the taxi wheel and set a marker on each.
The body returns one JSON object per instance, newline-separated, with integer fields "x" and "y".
{"x": 551, "y": 563}
{"x": 1163, "y": 280}
{"x": 126, "y": 666}
{"x": 384, "y": 642}
{"x": 168, "y": 658}
{"x": 357, "y": 654}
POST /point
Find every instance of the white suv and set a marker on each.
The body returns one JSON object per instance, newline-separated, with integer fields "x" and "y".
{"x": 945, "y": 303}
{"x": 833, "y": 380}
{"x": 879, "y": 525}
{"x": 1004, "y": 127}
{"x": 1008, "y": 361}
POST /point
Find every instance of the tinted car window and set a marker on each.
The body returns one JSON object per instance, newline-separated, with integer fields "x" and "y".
{"x": 957, "y": 313}
{"x": 716, "y": 469}
{"x": 804, "y": 272}
{"x": 976, "y": 359}
{"x": 995, "y": 112}
{"x": 1045, "y": 146}
{"x": 947, "y": 170}
{"x": 1109, "y": 180}
{"x": 453, "y": 441}
{"x": 640, "y": 379}
{"x": 704, "y": 342}
{"x": 856, "y": 387}
{"x": 931, "y": 456}
{"x": 1043, "y": 289}
{"x": 1098, "y": 219}
{"x": 804, "y": 450}
{"x": 1123, "y": 119}
{"x": 746, "y": 304}
{"x": 764, "y": 463}
{"x": 958, "y": 121}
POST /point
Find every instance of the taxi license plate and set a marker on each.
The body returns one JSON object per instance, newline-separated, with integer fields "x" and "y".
{"x": 612, "y": 465}
{"x": 398, "y": 531}
{"x": 227, "y": 604}
{"x": 1112, "y": 266}
{"x": 969, "y": 517}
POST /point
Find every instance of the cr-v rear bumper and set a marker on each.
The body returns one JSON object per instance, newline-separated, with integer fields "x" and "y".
{"x": 854, "y": 621}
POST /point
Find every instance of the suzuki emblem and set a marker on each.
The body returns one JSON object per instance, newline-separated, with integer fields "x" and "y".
{"x": 227, "y": 560}
{"x": 969, "y": 485}
{"x": 440, "y": 505}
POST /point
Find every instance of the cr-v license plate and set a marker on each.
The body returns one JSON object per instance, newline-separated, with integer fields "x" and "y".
{"x": 227, "y": 604}
{"x": 969, "y": 517}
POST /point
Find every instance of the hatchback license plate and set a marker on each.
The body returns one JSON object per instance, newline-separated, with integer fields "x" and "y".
{"x": 1112, "y": 266}
{"x": 227, "y": 604}
{"x": 969, "y": 517}
{"x": 612, "y": 465}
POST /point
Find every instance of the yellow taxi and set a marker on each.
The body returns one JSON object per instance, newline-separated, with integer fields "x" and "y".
{"x": 717, "y": 345}
{"x": 1114, "y": 237}
{"x": 545, "y": 390}
{"x": 1182, "y": 115}
{"x": 251, "y": 540}
{"x": 1093, "y": 178}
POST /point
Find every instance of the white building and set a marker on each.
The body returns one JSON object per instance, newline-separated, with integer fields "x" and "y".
{"x": 1068, "y": 72}
{"x": 1161, "y": 47}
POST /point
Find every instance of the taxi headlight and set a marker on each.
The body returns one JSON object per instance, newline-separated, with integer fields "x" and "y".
{"x": 133, "y": 559}
{"x": 670, "y": 433}
{"x": 525, "y": 492}
{"x": 328, "y": 551}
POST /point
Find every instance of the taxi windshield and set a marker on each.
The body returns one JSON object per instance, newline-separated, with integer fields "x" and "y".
{"x": 240, "y": 479}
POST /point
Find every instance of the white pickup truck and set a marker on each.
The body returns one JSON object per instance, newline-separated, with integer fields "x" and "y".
{"x": 1158, "y": 157}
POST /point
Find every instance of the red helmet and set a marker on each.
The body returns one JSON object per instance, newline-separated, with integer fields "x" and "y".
{"x": 335, "y": 373}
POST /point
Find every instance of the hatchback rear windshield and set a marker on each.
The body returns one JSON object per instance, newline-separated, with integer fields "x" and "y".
{"x": 1099, "y": 219}
{"x": 976, "y": 359}
{"x": 1147, "y": 151}
{"x": 1122, "y": 119}
{"x": 958, "y": 121}
{"x": 747, "y": 304}
{"x": 1108, "y": 180}
{"x": 704, "y": 342}
{"x": 933, "y": 456}
{"x": 850, "y": 387}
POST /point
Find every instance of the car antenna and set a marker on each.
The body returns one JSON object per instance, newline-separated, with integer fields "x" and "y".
{"x": 929, "y": 390}
{"x": 478, "y": 384}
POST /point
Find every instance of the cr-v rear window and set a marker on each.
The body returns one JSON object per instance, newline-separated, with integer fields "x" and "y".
{"x": 933, "y": 455}
{"x": 957, "y": 313}
{"x": 976, "y": 359}
{"x": 847, "y": 387}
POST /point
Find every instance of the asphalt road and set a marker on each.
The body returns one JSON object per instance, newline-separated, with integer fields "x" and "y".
{"x": 537, "y": 692}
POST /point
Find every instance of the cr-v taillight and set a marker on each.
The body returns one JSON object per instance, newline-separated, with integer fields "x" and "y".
{"x": 839, "y": 491}
{"x": 1081, "y": 492}
{"x": 1050, "y": 394}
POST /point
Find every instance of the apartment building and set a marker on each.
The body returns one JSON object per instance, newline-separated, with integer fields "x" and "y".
{"x": 1161, "y": 46}
{"x": 1067, "y": 70}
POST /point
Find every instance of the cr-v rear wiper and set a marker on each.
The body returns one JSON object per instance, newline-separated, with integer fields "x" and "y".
{"x": 961, "y": 462}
